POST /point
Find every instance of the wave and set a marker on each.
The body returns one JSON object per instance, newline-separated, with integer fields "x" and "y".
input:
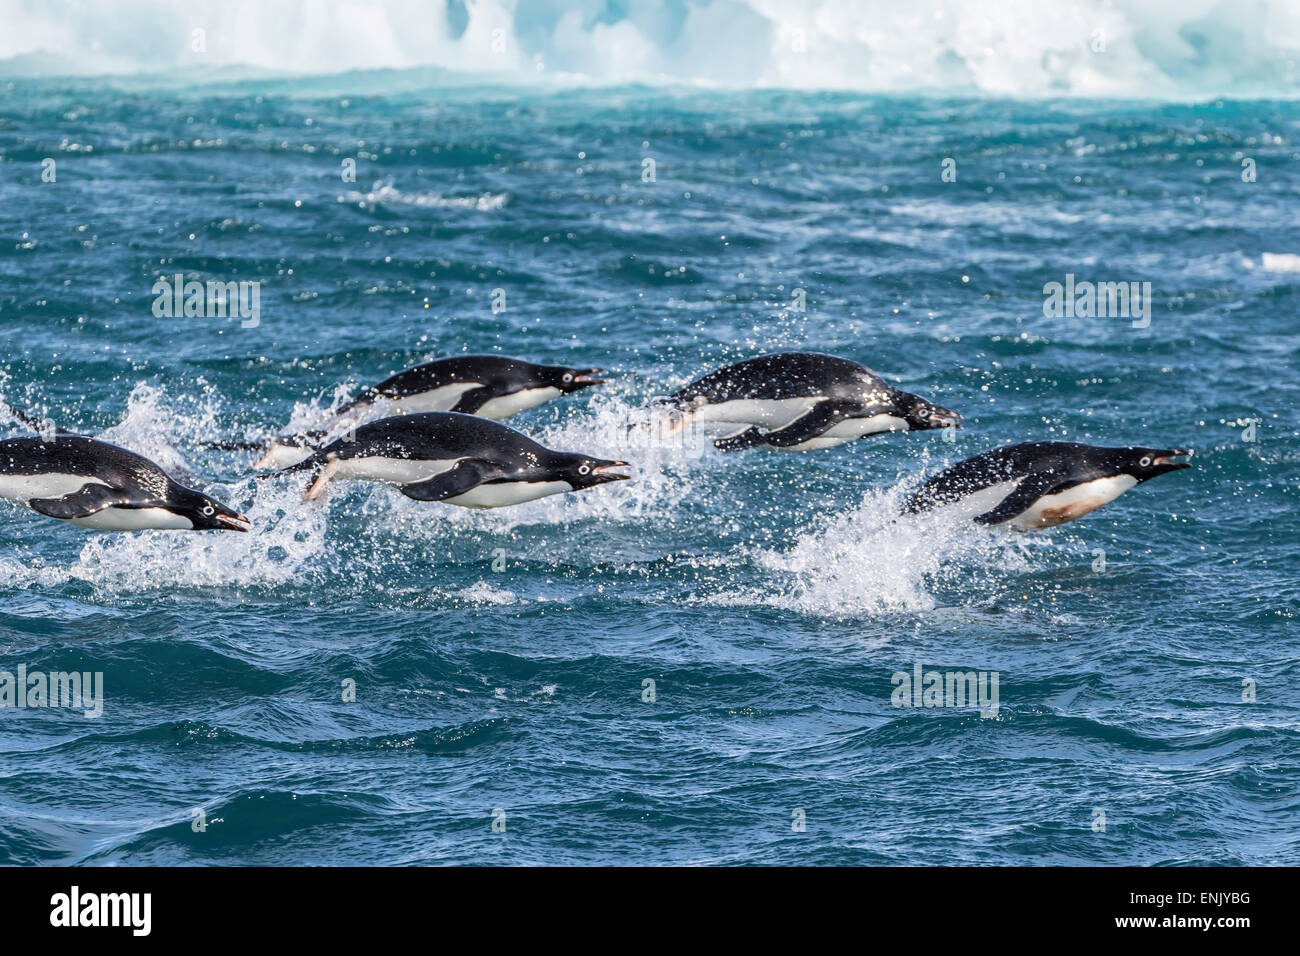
{"x": 1093, "y": 48}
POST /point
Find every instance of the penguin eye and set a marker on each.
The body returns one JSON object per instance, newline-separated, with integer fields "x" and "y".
{"x": 584, "y": 469}
{"x": 568, "y": 376}
{"x": 1145, "y": 462}
{"x": 209, "y": 511}
{"x": 923, "y": 414}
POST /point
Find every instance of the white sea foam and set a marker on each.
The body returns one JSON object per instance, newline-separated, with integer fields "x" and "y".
{"x": 1279, "y": 262}
{"x": 484, "y": 593}
{"x": 385, "y": 193}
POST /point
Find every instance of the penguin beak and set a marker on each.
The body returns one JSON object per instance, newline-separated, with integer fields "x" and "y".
{"x": 602, "y": 473}
{"x": 943, "y": 418}
{"x": 1166, "y": 463}
{"x": 583, "y": 378}
{"x": 234, "y": 522}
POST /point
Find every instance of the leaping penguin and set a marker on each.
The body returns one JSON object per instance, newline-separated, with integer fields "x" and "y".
{"x": 92, "y": 484}
{"x": 490, "y": 386}
{"x": 1041, "y": 484}
{"x": 798, "y": 401}
{"x": 457, "y": 458}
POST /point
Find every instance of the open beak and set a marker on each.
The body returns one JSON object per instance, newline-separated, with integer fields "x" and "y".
{"x": 584, "y": 378}
{"x": 943, "y": 418}
{"x": 235, "y": 522}
{"x": 1169, "y": 463}
{"x": 604, "y": 472}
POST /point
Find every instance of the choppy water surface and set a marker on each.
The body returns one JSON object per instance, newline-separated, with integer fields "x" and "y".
{"x": 501, "y": 659}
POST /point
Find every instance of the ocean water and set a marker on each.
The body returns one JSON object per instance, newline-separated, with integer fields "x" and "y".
{"x": 696, "y": 666}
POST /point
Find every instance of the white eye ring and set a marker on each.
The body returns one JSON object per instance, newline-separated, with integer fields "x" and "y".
{"x": 568, "y": 376}
{"x": 209, "y": 511}
{"x": 923, "y": 414}
{"x": 584, "y": 469}
{"x": 1145, "y": 462}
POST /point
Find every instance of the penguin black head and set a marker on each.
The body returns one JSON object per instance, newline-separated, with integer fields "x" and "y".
{"x": 1145, "y": 463}
{"x": 582, "y": 472}
{"x": 921, "y": 415}
{"x": 573, "y": 379}
{"x": 206, "y": 514}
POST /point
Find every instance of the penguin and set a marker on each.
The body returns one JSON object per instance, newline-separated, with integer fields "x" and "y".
{"x": 490, "y": 386}
{"x": 92, "y": 484}
{"x": 453, "y": 457}
{"x": 1043, "y": 483}
{"x": 797, "y": 401}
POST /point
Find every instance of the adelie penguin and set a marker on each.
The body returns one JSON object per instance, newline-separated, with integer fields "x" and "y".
{"x": 93, "y": 484}
{"x": 460, "y": 459}
{"x": 1041, "y": 484}
{"x": 798, "y": 401}
{"x": 490, "y": 386}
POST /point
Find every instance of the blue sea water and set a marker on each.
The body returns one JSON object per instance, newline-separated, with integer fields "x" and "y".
{"x": 503, "y": 660}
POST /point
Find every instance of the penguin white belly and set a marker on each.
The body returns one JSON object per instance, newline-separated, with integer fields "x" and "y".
{"x": 979, "y": 502}
{"x": 1051, "y": 510}
{"x": 773, "y": 413}
{"x": 851, "y": 429}
{"x": 857, "y": 427}
{"x": 52, "y": 485}
{"x": 441, "y": 399}
{"x": 506, "y": 405}
{"x": 132, "y": 519}
{"x": 503, "y": 493}
{"x": 399, "y": 471}
{"x": 278, "y": 455}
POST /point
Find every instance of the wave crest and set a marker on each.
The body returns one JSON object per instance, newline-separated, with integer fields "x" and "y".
{"x": 1016, "y": 48}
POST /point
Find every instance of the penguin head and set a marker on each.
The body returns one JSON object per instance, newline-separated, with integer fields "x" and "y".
{"x": 204, "y": 513}
{"x": 582, "y": 472}
{"x": 1145, "y": 463}
{"x": 921, "y": 415}
{"x": 573, "y": 379}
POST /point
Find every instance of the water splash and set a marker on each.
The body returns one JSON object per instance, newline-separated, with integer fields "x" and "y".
{"x": 154, "y": 423}
{"x": 876, "y": 560}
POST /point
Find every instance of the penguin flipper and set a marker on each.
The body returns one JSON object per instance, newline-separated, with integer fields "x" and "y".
{"x": 807, "y": 426}
{"x": 748, "y": 438}
{"x": 456, "y": 480}
{"x": 473, "y": 400}
{"x": 80, "y": 504}
{"x": 1031, "y": 488}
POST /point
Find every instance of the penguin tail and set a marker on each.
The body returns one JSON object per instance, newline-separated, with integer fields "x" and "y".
{"x": 313, "y": 463}
{"x": 654, "y": 413}
{"x": 233, "y": 445}
{"x": 34, "y": 422}
{"x": 306, "y": 439}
